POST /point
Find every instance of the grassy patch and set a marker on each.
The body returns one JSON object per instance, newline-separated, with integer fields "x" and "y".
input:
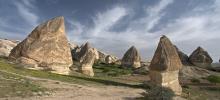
{"x": 76, "y": 78}
{"x": 213, "y": 79}
{"x": 13, "y": 85}
{"x": 111, "y": 70}
{"x": 201, "y": 93}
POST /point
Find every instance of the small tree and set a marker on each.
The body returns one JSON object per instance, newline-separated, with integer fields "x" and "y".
{"x": 213, "y": 79}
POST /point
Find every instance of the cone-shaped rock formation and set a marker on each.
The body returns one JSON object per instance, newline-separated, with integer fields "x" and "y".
{"x": 45, "y": 48}
{"x": 86, "y": 56}
{"x": 131, "y": 58}
{"x": 200, "y": 58}
{"x": 165, "y": 65}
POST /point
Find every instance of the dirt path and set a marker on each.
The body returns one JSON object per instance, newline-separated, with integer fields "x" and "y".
{"x": 67, "y": 91}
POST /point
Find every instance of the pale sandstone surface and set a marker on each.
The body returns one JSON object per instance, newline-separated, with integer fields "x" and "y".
{"x": 109, "y": 59}
{"x": 165, "y": 66}
{"x": 131, "y": 58}
{"x": 45, "y": 47}
{"x": 85, "y": 56}
{"x": 6, "y": 46}
{"x": 200, "y": 58}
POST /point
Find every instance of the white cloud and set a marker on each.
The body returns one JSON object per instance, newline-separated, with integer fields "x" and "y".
{"x": 155, "y": 13}
{"x": 77, "y": 28}
{"x": 25, "y": 13}
{"x": 104, "y": 21}
{"x": 117, "y": 42}
{"x": 195, "y": 26}
{"x": 25, "y": 10}
{"x": 152, "y": 16}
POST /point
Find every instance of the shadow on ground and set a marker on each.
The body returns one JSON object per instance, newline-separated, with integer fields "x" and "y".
{"x": 111, "y": 82}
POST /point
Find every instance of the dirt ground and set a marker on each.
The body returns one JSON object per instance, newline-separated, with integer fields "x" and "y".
{"x": 67, "y": 91}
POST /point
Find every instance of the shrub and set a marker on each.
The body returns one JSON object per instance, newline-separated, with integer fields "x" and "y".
{"x": 213, "y": 79}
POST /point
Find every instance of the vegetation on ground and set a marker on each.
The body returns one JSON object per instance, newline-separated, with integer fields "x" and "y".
{"x": 14, "y": 85}
{"x": 75, "y": 78}
{"x": 201, "y": 93}
{"x": 112, "y": 70}
{"x": 213, "y": 79}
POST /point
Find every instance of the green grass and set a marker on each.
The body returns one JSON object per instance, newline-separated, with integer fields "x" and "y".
{"x": 213, "y": 79}
{"x": 76, "y": 78}
{"x": 201, "y": 93}
{"x": 111, "y": 70}
{"x": 13, "y": 85}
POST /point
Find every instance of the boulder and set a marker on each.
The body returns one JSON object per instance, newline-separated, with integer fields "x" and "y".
{"x": 191, "y": 72}
{"x": 6, "y": 46}
{"x": 46, "y": 47}
{"x": 87, "y": 63}
{"x": 215, "y": 67}
{"x": 79, "y": 53}
{"x": 200, "y": 58}
{"x": 165, "y": 66}
{"x": 102, "y": 56}
{"x": 96, "y": 53}
{"x": 131, "y": 58}
{"x": 109, "y": 59}
{"x": 85, "y": 56}
{"x": 183, "y": 57}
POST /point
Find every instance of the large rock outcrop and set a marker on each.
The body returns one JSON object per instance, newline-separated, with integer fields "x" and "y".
{"x": 102, "y": 56}
{"x": 85, "y": 56}
{"x": 87, "y": 63}
{"x": 109, "y": 59}
{"x": 79, "y": 53}
{"x": 6, "y": 46}
{"x": 45, "y": 48}
{"x": 165, "y": 66}
{"x": 131, "y": 58}
{"x": 183, "y": 57}
{"x": 200, "y": 58}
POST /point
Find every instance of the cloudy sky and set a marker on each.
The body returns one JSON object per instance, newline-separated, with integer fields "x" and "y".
{"x": 113, "y": 26}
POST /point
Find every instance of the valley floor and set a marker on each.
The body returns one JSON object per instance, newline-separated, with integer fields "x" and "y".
{"x": 67, "y": 91}
{"x": 17, "y": 83}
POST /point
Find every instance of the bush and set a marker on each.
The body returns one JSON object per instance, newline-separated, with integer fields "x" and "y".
{"x": 213, "y": 79}
{"x": 112, "y": 70}
{"x": 159, "y": 93}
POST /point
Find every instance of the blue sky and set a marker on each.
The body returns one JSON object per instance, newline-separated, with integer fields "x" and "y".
{"x": 114, "y": 25}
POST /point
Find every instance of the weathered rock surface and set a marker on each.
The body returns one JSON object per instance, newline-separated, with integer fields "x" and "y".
{"x": 96, "y": 53}
{"x": 200, "y": 58}
{"x": 183, "y": 57}
{"x": 109, "y": 59}
{"x": 192, "y": 72}
{"x": 165, "y": 66}
{"x": 6, "y": 46}
{"x": 79, "y": 53}
{"x": 45, "y": 48}
{"x": 215, "y": 67}
{"x": 87, "y": 63}
{"x": 102, "y": 56}
{"x": 131, "y": 58}
{"x": 85, "y": 56}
